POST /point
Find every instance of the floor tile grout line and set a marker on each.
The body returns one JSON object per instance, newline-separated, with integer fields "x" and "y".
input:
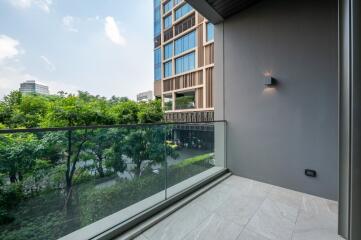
{"x": 200, "y": 223}
{"x": 259, "y": 207}
{"x": 294, "y": 229}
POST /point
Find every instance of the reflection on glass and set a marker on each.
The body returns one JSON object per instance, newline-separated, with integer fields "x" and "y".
{"x": 185, "y": 100}
{"x": 168, "y": 102}
{"x": 55, "y": 182}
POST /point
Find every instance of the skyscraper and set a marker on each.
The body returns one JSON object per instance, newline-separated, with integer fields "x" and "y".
{"x": 31, "y": 87}
{"x": 183, "y": 61}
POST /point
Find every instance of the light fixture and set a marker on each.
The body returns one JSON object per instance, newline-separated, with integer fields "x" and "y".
{"x": 269, "y": 81}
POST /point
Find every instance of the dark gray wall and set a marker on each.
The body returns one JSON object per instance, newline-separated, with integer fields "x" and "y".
{"x": 275, "y": 134}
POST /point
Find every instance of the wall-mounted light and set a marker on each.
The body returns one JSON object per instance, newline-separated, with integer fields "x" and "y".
{"x": 269, "y": 81}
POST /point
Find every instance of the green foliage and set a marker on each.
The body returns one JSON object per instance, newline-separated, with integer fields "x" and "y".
{"x": 30, "y": 111}
{"x": 18, "y": 153}
{"x": 10, "y": 196}
{"x": 185, "y": 102}
{"x": 195, "y": 160}
{"x": 50, "y": 181}
{"x": 99, "y": 202}
{"x": 150, "y": 112}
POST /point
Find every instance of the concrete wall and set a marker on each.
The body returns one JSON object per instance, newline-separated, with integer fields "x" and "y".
{"x": 274, "y": 134}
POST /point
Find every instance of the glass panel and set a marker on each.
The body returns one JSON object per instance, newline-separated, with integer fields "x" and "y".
{"x": 168, "y": 51}
{"x": 157, "y": 64}
{"x": 183, "y": 10}
{"x": 177, "y": 2}
{"x": 157, "y": 17}
{"x": 192, "y": 152}
{"x": 168, "y": 69}
{"x": 185, "y": 43}
{"x": 54, "y": 183}
{"x": 185, "y": 63}
{"x": 210, "y": 32}
{"x": 168, "y": 6}
{"x": 168, "y": 102}
{"x": 168, "y": 22}
{"x": 185, "y": 100}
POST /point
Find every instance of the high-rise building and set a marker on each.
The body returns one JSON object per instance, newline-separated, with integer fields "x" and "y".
{"x": 145, "y": 96}
{"x": 32, "y": 87}
{"x": 183, "y": 61}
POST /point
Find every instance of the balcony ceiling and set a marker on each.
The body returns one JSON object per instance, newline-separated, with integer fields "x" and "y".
{"x": 227, "y": 8}
{"x": 218, "y": 10}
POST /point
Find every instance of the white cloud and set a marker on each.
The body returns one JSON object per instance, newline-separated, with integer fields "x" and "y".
{"x": 8, "y": 47}
{"x": 68, "y": 23}
{"x": 51, "y": 67}
{"x": 113, "y": 33}
{"x": 42, "y": 4}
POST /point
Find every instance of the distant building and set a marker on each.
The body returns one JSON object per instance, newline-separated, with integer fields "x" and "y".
{"x": 145, "y": 96}
{"x": 31, "y": 87}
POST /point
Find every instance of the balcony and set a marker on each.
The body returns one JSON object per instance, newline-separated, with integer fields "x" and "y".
{"x": 92, "y": 182}
{"x": 162, "y": 181}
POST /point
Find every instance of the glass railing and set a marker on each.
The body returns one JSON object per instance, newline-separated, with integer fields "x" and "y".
{"x": 79, "y": 182}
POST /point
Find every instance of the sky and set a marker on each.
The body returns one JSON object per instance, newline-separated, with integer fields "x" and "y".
{"x": 104, "y": 47}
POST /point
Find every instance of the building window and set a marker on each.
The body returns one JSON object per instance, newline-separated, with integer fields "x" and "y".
{"x": 210, "y": 32}
{"x": 167, "y": 6}
{"x": 168, "y": 102}
{"x": 176, "y": 2}
{"x": 185, "y": 24}
{"x": 168, "y": 69}
{"x": 157, "y": 64}
{"x": 185, "y": 43}
{"x": 157, "y": 18}
{"x": 185, "y": 100}
{"x": 185, "y": 63}
{"x": 168, "y": 34}
{"x": 168, "y": 22}
{"x": 168, "y": 51}
{"x": 183, "y": 10}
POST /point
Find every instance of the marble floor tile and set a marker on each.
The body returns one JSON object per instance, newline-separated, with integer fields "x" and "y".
{"x": 249, "y": 235}
{"x": 215, "y": 197}
{"x": 307, "y": 221}
{"x": 177, "y": 225}
{"x": 240, "y": 209}
{"x": 243, "y": 209}
{"x": 251, "y": 188}
{"x": 215, "y": 228}
{"x": 286, "y": 196}
{"x": 318, "y": 234}
{"x": 317, "y": 214}
{"x": 317, "y": 205}
{"x": 274, "y": 220}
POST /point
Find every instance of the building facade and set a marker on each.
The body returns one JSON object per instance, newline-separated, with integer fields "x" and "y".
{"x": 145, "y": 96}
{"x": 183, "y": 62}
{"x": 31, "y": 87}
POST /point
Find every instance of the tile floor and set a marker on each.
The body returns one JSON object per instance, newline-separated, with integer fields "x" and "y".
{"x": 243, "y": 209}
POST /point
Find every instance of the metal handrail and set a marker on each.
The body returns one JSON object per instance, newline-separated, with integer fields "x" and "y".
{"x": 54, "y": 129}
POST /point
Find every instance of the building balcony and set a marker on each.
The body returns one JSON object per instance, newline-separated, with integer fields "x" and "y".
{"x": 162, "y": 181}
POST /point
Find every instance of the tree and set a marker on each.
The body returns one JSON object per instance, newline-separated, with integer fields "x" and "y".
{"x": 98, "y": 144}
{"x": 25, "y": 153}
{"x": 147, "y": 144}
{"x": 125, "y": 112}
{"x": 8, "y": 108}
{"x": 150, "y": 112}
{"x": 18, "y": 153}
{"x": 114, "y": 155}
